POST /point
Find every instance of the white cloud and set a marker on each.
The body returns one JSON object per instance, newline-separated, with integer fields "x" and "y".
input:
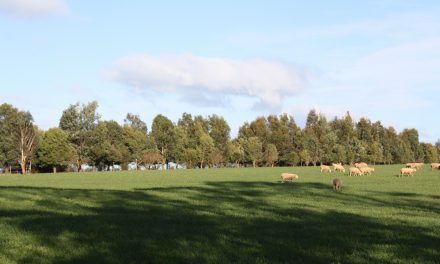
{"x": 268, "y": 80}
{"x": 33, "y": 8}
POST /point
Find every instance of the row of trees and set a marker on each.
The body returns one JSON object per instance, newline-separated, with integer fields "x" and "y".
{"x": 197, "y": 141}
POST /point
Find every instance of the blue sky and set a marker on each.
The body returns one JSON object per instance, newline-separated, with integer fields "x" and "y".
{"x": 238, "y": 59}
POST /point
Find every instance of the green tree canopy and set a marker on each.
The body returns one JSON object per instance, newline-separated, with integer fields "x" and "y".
{"x": 54, "y": 149}
{"x": 270, "y": 154}
{"x": 19, "y": 139}
{"x": 253, "y": 150}
{"x": 9, "y": 154}
{"x": 219, "y": 131}
{"x": 164, "y": 135}
{"x": 78, "y": 120}
{"x": 106, "y": 144}
{"x": 135, "y": 122}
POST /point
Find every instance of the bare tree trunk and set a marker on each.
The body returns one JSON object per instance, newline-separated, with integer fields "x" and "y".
{"x": 254, "y": 163}
{"x": 162, "y": 152}
{"x": 26, "y": 145}
{"x": 23, "y": 156}
{"x": 23, "y": 168}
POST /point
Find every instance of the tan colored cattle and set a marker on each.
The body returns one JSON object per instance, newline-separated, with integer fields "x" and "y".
{"x": 435, "y": 166}
{"x": 367, "y": 170}
{"x": 407, "y": 171}
{"x": 325, "y": 168}
{"x": 419, "y": 165}
{"x": 355, "y": 171}
{"x": 414, "y": 165}
{"x": 338, "y": 167}
{"x": 288, "y": 177}
{"x": 411, "y": 165}
{"x": 361, "y": 165}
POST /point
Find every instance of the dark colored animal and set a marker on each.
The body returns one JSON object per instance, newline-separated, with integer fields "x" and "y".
{"x": 337, "y": 184}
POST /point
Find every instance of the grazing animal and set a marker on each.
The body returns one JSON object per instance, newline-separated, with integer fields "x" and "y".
{"x": 407, "y": 171}
{"x": 288, "y": 177}
{"x": 435, "y": 166}
{"x": 367, "y": 170}
{"x": 361, "y": 165}
{"x": 338, "y": 167}
{"x": 414, "y": 165}
{"x": 337, "y": 184}
{"x": 325, "y": 168}
{"x": 355, "y": 171}
{"x": 411, "y": 165}
{"x": 418, "y": 165}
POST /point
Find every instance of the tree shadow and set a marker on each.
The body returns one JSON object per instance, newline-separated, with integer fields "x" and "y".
{"x": 219, "y": 222}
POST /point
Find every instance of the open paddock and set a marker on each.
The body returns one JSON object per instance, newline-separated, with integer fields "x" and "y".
{"x": 220, "y": 216}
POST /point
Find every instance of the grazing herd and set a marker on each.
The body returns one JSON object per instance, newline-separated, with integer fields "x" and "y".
{"x": 359, "y": 169}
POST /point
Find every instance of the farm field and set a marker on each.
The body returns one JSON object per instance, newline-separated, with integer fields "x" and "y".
{"x": 220, "y": 216}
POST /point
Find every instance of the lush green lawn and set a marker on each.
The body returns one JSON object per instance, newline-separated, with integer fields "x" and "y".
{"x": 219, "y": 216}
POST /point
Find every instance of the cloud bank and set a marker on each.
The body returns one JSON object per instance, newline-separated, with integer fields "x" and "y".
{"x": 33, "y": 8}
{"x": 267, "y": 80}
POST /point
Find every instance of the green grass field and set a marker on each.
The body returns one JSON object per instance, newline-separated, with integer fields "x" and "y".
{"x": 220, "y": 216}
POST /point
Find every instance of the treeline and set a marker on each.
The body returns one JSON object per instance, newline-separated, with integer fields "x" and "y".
{"x": 197, "y": 141}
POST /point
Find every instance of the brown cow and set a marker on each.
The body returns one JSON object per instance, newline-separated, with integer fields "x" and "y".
{"x": 337, "y": 184}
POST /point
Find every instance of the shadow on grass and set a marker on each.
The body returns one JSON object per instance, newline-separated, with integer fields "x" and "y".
{"x": 220, "y": 222}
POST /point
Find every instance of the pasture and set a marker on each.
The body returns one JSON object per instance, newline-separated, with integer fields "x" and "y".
{"x": 220, "y": 216}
